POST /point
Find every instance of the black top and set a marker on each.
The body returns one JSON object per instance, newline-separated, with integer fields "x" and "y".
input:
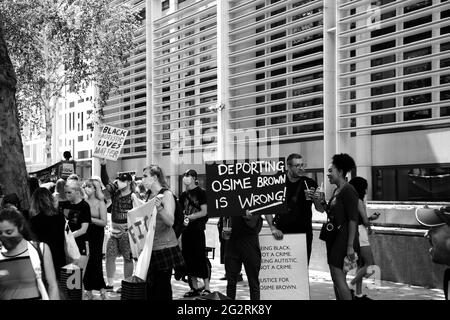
{"x": 50, "y": 229}
{"x": 241, "y": 227}
{"x": 77, "y": 214}
{"x": 344, "y": 205}
{"x": 191, "y": 202}
{"x": 298, "y": 219}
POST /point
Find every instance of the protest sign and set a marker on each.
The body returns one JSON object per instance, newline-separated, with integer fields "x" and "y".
{"x": 284, "y": 267}
{"x": 67, "y": 168}
{"x": 47, "y": 174}
{"x": 138, "y": 220}
{"x": 238, "y": 185}
{"x": 108, "y": 142}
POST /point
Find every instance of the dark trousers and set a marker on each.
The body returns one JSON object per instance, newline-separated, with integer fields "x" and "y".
{"x": 158, "y": 285}
{"x": 245, "y": 250}
{"x": 309, "y": 240}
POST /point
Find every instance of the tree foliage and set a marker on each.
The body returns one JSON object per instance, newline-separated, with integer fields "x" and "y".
{"x": 59, "y": 44}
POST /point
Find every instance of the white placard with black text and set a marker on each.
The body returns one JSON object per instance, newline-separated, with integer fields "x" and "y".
{"x": 284, "y": 268}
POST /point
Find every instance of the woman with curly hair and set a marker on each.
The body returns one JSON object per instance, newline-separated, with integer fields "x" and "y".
{"x": 342, "y": 209}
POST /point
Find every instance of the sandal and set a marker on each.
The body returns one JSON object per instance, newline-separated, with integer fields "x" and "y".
{"x": 205, "y": 292}
{"x": 192, "y": 293}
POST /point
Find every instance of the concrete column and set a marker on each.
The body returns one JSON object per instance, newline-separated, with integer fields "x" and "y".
{"x": 152, "y": 12}
{"x": 363, "y": 140}
{"x": 330, "y": 106}
{"x": 223, "y": 97}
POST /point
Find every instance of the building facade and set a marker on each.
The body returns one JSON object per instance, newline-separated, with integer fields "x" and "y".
{"x": 72, "y": 131}
{"x": 213, "y": 79}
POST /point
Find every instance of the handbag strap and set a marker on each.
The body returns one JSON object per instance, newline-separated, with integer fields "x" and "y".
{"x": 37, "y": 262}
{"x": 329, "y": 215}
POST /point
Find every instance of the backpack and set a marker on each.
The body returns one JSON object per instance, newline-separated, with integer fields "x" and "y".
{"x": 178, "y": 223}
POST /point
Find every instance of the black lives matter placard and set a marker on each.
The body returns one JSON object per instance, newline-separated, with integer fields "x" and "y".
{"x": 234, "y": 186}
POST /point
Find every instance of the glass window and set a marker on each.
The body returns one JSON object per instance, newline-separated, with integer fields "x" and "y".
{"x": 417, "y": 68}
{"x": 278, "y": 120}
{"x": 308, "y": 128}
{"x": 417, "y": 6}
{"x": 417, "y": 99}
{"x": 416, "y": 22}
{"x": 382, "y": 31}
{"x": 381, "y": 61}
{"x": 307, "y": 115}
{"x": 416, "y": 53}
{"x": 425, "y": 183}
{"x": 383, "y": 104}
{"x": 382, "y": 90}
{"x": 382, "y": 75}
{"x": 445, "y": 95}
{"x": 417, "y": 37}
{"x": 382, "y": 46}
{"x": 417, "y": 114}
{"x": 306, "y": 65}
{"x": 383, "y": 118}
{"x": 415, "y": 84}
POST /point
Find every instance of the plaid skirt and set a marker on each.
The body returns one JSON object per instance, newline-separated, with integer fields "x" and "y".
{"x": 166, "y": 259}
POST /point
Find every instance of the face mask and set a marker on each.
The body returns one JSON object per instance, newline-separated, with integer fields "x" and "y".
{"x": 187, "y": 180}
{"x": 10, "y": 242}
{"x": 121, "y": 184}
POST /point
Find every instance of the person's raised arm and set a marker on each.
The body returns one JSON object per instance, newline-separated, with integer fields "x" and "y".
{"x": 104, "y": 173}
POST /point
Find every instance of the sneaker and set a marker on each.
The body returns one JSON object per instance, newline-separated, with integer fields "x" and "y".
{"x": 88, "y": 295}
{"x": 192, "y": 293}
{"x": 364, "y": 297}
{"x": 352, "y": 292}
{"x": 103, "y": 295}
{"x": 109, "y": 288}
{"x": 205, "y": 292}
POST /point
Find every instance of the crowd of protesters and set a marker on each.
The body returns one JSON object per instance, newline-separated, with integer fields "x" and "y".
{"x": 33, "y": 241}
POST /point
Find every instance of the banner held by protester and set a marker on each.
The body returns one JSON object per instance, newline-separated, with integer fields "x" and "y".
{"x": 235, "y": 186}
{"x": 108, "y": 142}
{"x": 141, "y": 231}
{"x": 138, "y": 220}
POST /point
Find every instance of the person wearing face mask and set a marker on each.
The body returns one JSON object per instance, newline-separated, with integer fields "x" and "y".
{"x": 123, "y": 200}
{"x": 21, "y": 275}
{"x": 166, "y": 253}
{"x": 438, "y": 220}
{"x": 193, "y": 241}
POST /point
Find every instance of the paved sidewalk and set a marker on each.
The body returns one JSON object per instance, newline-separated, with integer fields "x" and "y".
{"x": 320, "y": 287}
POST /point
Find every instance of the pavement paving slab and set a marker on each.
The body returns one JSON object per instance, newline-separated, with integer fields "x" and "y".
{"x": 320, "y": 285}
